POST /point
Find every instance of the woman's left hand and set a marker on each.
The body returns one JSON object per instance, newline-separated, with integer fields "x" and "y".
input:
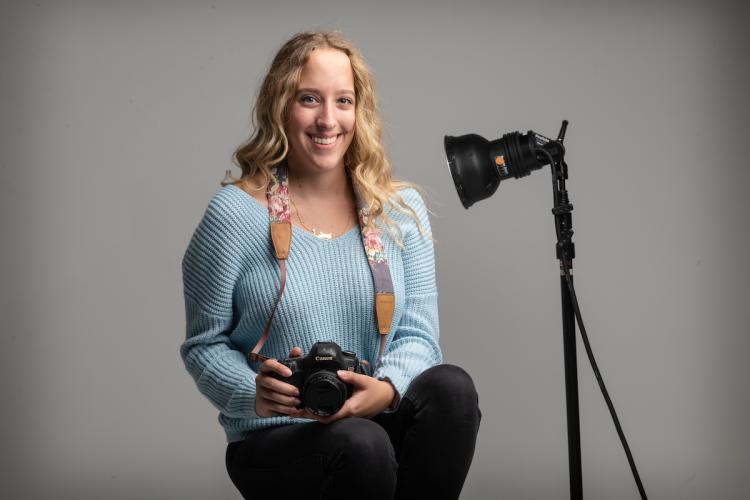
{"x": 370, "y": 397}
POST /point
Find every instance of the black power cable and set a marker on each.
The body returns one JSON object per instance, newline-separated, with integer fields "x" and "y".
{"x": 600, "y": 381}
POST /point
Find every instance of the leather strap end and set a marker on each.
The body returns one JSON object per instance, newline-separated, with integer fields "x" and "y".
{"x": 281, "y": 235}
{"x": 385, "y": 305}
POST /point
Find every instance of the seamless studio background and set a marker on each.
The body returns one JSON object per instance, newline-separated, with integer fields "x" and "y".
{"x": 119, "y": 119}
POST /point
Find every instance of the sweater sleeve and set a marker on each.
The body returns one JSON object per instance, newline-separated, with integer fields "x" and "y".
{"x": 414, "y": 344}
{"x": 211, "y": 266}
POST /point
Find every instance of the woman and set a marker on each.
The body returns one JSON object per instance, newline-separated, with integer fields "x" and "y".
{"x": 315, "y": 169}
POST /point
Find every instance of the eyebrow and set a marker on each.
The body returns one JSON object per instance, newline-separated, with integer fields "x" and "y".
{"x": 316, "y": 91}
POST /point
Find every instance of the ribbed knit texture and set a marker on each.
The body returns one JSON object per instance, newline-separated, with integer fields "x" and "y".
{"x": 231, "y": 279}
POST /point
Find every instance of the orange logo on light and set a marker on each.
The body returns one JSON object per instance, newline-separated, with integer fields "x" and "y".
{"x": 500, "y": 161}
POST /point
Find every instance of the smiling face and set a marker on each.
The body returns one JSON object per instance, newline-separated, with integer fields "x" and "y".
{"x": 320, "y": 124}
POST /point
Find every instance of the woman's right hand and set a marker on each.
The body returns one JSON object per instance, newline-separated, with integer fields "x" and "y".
{"x": 272, "y": 396}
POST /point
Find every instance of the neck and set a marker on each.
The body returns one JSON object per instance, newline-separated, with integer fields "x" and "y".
{"x": 312, "y": 185}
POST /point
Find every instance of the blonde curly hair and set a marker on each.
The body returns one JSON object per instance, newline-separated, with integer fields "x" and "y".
{"x": 365, "y": 160}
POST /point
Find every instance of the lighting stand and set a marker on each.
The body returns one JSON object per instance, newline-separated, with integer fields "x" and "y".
{"x": 565, "y": 250}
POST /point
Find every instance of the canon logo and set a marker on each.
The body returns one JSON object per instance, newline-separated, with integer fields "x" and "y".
{"x": 323, "y": 358}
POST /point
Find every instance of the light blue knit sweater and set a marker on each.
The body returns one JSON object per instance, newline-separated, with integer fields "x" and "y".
{"x": 231, "y": 278}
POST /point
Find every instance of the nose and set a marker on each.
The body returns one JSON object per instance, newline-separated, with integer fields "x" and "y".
{"x": 326, "y": 119}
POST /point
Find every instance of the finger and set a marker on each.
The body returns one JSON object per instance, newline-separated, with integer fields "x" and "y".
{"x": 276, "y": 385}
{"x": 270, "y": 407}
{"x": 281, "y": 399}
{"x": 296, "y": 352}
{"x": 358, "y": 380}
{"x": 273, "y": 366}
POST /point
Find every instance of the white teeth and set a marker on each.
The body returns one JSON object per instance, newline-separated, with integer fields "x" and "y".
{"x": 323, "y": 140}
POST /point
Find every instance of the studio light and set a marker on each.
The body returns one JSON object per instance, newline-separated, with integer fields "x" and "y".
{"x": 478, "y": 165}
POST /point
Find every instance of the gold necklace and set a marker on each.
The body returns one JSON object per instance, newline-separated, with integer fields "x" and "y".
{"x": 314, "y": 231}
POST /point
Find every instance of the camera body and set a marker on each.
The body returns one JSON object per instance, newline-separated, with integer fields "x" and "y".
{"x": 322, "y": 392}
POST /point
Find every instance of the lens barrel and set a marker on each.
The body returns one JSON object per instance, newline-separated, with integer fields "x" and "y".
{"x": 324, "y": 393}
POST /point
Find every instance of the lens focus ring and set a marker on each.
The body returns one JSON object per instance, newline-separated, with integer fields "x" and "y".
{"x": 323, "y": 393}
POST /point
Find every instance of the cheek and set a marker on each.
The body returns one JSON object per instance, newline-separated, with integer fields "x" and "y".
{"x": 349, "y": 120}
{"x": 298, "y": 119}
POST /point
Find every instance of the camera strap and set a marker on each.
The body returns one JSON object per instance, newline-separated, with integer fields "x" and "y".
{"x": 281, "y": 236}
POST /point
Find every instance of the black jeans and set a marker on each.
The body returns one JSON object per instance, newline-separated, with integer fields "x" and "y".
{"x": 422, "y": 450}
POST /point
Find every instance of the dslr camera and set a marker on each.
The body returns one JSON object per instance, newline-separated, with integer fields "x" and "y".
{"x": 322, "y": 392}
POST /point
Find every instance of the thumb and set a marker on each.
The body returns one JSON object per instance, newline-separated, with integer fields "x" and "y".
{"x": 296, "y": 352}
{"x": 356, "y": 379}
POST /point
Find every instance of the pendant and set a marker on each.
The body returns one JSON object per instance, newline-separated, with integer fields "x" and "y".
{"x": 322, "y": 235}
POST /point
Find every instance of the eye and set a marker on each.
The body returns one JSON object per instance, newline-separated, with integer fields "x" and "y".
{"x": 346, "y": 100}
{"x": 308, "y": 99}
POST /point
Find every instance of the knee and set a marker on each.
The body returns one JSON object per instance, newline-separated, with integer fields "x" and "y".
{"x": 365, "y": 445}
{"x": 448, "y": 388}
{"x": 454, "y": 379}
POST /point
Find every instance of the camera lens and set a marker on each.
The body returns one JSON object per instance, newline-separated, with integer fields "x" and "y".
{"x": 323, "y": 393}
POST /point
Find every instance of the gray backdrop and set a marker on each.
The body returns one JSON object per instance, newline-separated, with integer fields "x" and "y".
{"x": 119, "y": 119}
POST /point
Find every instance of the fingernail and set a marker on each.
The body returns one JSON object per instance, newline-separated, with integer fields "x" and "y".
{"x": 341, "y": 373}
{"x": 288, "y": 372}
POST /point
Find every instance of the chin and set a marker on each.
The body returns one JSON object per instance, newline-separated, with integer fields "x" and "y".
{"x": 328, "y": 166}
{"x": 320, "y": 163}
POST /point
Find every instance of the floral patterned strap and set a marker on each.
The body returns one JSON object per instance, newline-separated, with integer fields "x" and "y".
{"x": 385, "y": 299}
{"x": 278, "y": 196}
